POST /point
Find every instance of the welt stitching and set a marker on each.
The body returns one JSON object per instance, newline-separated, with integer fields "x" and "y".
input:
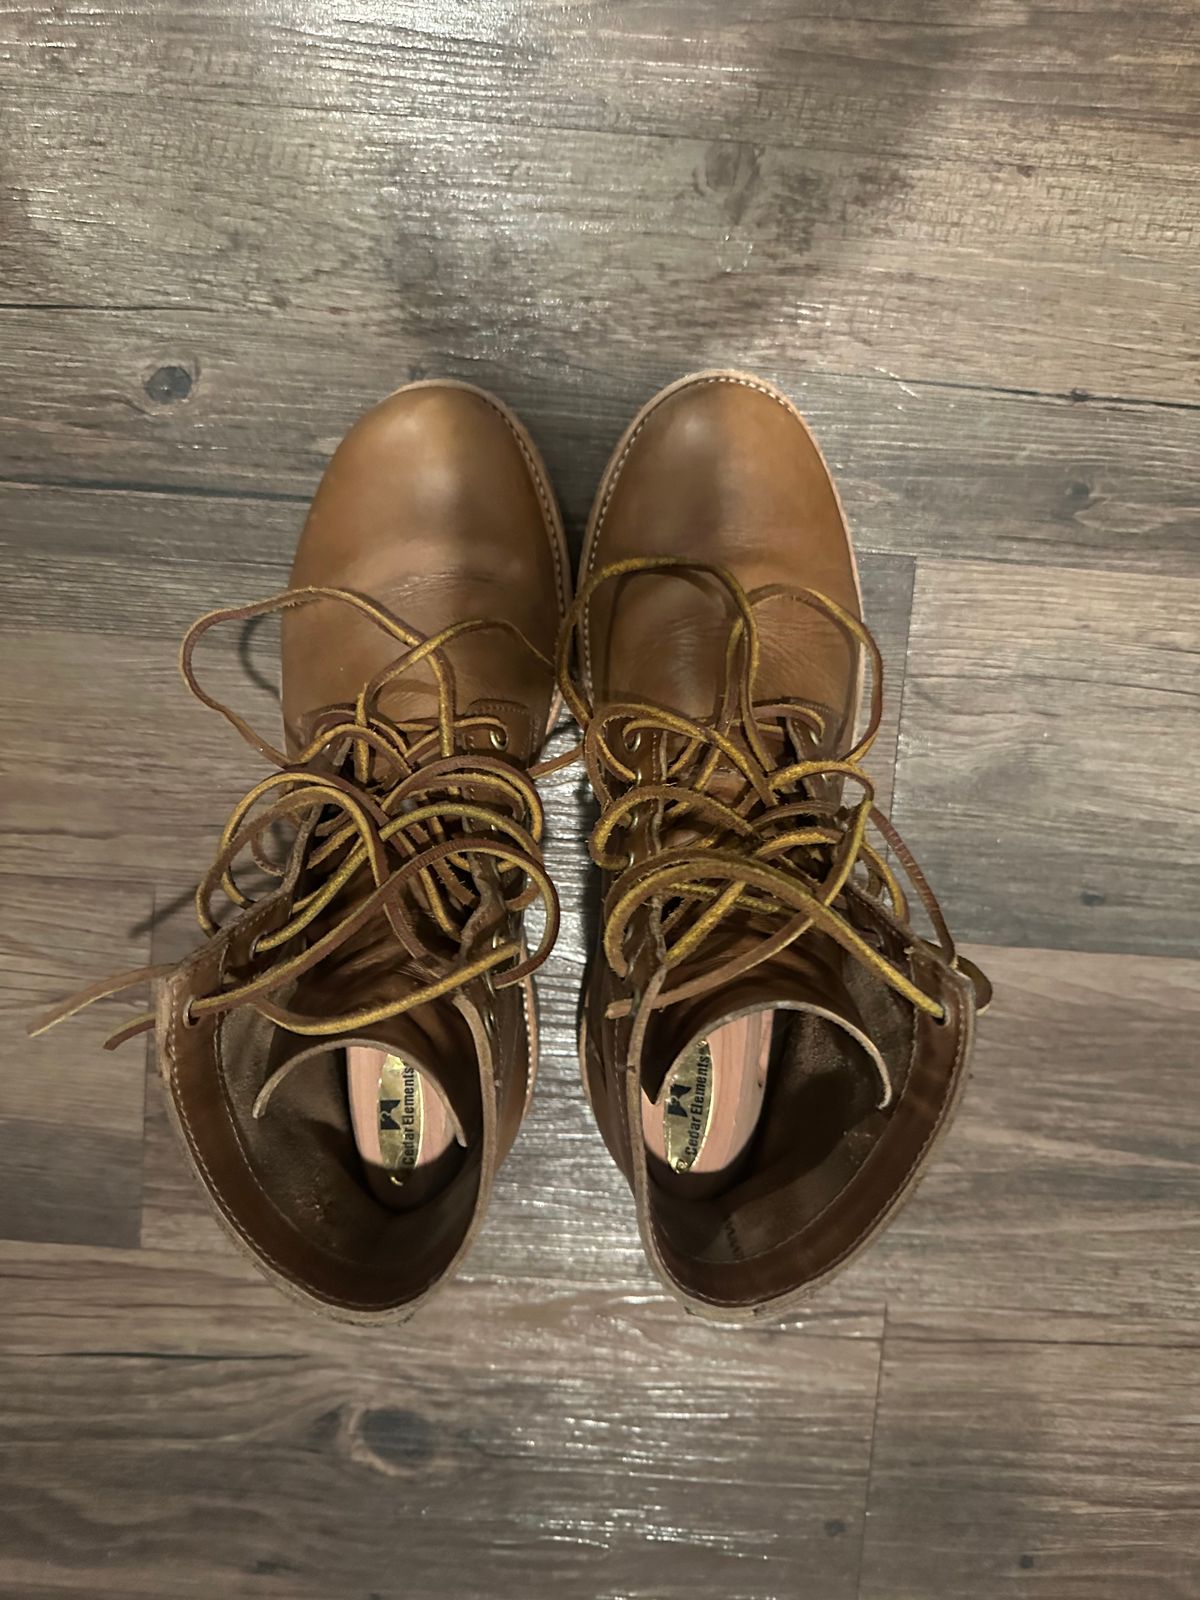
{"x": 543, "y": 492}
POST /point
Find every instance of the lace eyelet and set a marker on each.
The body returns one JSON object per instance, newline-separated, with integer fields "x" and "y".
{"x": 187, "y": 1018}
{"x": 499, "y": 738}
{"x": 633, "y": 742}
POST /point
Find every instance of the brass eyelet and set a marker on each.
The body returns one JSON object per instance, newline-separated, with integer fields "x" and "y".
{"x": 499, "y": 738}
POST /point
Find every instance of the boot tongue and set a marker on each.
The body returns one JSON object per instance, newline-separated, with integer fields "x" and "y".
{"x": 797, "y": 979}
{"x": 433, "y": 1037}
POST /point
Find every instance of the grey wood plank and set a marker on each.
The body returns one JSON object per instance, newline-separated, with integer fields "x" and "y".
{"x": 326, "y": 1476}
{"x": 1028, "y": 1469}
{"x": 887, "y": 590}
{"x": 868, "y": 247}
{"x": 1049, "y": 766}
{"x": 224, "y": 231}
{"x": 70, "y": 1185}
{"x": 61, "y": 1299}
{"x": 1063, "y": 1204}
{"x": 924, "y": 470}
{"x": 141, "y": 566}
{"x": 109, "y": 766}
{"x": 519, "y": 62}
{"x": 71, "y": 1114}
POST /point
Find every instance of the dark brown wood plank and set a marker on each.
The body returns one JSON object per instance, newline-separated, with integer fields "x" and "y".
{"x": 70, "y": 1184}
{"x": 1031, "y": 1469}
{"x": 1064, "y": 1203}
{"x": 519, "y": 1400}
{"x": 887, "y": 590}
{"x": 102, "y": 588}
{"x": 71, "y": 1113}
{"x": 968, "y": 229}
{"x": 1049, "y": 767}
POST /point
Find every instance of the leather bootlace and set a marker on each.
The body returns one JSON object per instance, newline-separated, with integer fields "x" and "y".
{"x": 764, "y": 835}
{"x": 394, "y": 823}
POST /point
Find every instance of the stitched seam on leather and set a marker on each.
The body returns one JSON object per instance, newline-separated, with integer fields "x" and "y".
{"x": 530, "y": 1062}
{"x": 543, "y": 493}
{"x": 881, "y": 1216}
{"x": 612, "y": 478}
{"x": 254, "y": 1246}
{"x": 198, "y": 1153}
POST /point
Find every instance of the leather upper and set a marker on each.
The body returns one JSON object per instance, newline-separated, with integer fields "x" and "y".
{"x": 720, "y": 470}
{"x": 724, "y": 470}
{"x": 437, "y": 507}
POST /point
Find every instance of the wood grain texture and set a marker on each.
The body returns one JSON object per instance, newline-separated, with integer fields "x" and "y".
{"x": 195, "y": 1392}
{"x": 1065, "y": 1202}
{"x": 324, "y": 1475}
{"x": 924, "y": 470}
{"x": 71, "y": 1113}
{"x": 963, "y": 238}
{"x": 1064, "y": 1471}
{"x": 109, "y": 766}
{"x": 931, "y": 209}
{"x": 140, "y": 566}
{"x": 1049, "y": 767}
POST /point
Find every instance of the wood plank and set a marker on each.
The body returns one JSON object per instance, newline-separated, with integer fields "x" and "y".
{"x": 757, "y": 67}
{"x": 146, "y": 789}
{"x": 224, "y": 232}
{"x": 923, "y": 470}
{"x": 142, "y": 566}
{"x": 800, "y": 216}
{"x": 61, "y": 1300}
{"x": 127, "y": 1461}
{"x": 71, "y": 1114}
{"x": 1049, "y": 763}
{"x": 1064, "y": 1202}
{"x": 1028, "y": 1469}
{"x": 887, "y": 590}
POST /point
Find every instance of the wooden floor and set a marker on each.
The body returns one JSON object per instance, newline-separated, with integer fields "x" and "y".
{"x": 963, "y": 233}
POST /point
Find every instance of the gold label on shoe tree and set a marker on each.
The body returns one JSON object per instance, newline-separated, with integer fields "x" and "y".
{"x": 687, "y": 1112}
{"x": 401, "y": 1116}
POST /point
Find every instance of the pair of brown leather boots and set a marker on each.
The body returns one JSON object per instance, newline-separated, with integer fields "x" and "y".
{"x": 769, "y": 1048}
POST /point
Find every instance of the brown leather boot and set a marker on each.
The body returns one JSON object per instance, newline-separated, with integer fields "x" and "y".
{"x": 350, "y": 1053}
{"x": 770, "y": 1050}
